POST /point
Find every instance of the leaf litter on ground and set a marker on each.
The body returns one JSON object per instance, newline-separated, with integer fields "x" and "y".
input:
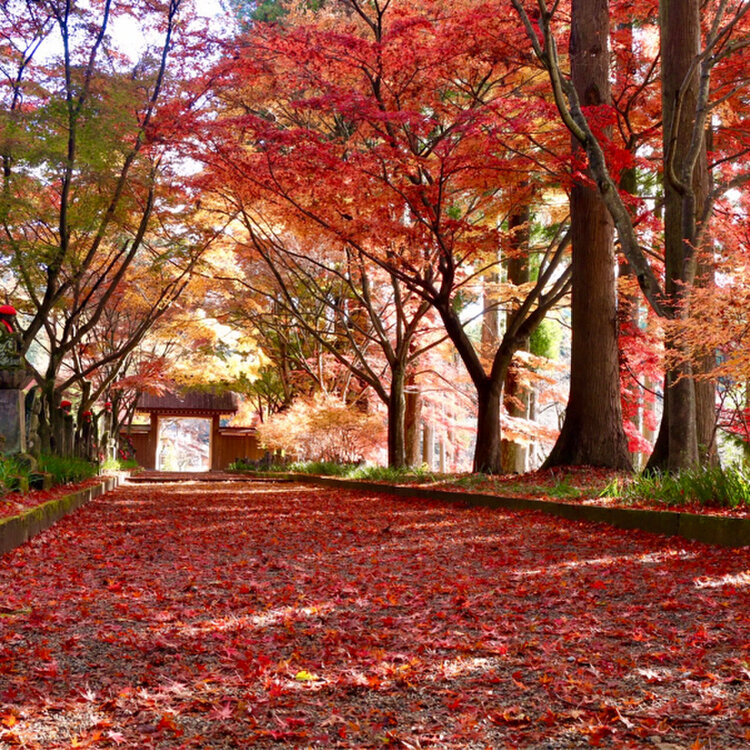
{"x": 14, "y": 503}
{"x": 260, "y": 615}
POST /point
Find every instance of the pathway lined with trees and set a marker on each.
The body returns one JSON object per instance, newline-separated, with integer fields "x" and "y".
{"x": 280, "y": 613}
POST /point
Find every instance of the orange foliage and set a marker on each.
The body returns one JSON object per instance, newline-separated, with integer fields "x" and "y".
{"x": 323, "y": 428}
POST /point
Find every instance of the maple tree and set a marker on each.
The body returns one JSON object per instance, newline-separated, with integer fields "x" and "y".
{"x": 366, "y": 323}
{"x": 387, "y": 113}
{"x": 323, "y": 427}
{"x": 91, "y": 199}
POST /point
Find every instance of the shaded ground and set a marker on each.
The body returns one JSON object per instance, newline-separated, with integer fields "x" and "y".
{"x": 251, "y": 615}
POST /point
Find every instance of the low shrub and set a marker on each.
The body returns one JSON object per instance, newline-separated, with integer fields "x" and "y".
{"x": 66, "y": 470}
{"x": 334, "y": 469}
{"x": 715, "y": 487}
{"x": 18, "y": 473}
{"x": 322, "y": 468}
{"x": 14, "y": 475}
{"x": 265, "y": 464}
{"x": 391, "y": 473}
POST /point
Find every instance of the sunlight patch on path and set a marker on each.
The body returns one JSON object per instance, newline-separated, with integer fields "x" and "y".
{"x": 651, "y": 558}
{"x": 730, "y": 579}
{"x": 262, "y": 620}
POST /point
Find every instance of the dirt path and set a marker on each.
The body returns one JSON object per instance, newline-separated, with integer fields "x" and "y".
{"x": 251, "y": 615}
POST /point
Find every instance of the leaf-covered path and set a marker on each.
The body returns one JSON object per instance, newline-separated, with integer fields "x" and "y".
{"x": 249, "y": 615}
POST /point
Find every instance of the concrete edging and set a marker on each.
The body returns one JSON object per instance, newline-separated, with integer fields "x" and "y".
{"x": 15, "y": 530}
{"x": 716, "y": 530}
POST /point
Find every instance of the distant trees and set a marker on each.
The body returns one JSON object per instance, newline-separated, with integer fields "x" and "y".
{"x": 363, "y": 319}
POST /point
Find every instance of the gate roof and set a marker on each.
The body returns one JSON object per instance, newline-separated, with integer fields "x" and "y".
{"x": 189, "y": 403}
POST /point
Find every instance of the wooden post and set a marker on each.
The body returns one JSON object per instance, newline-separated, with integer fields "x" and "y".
{"x": 153, "y": 441}
{"x": 428, "y": 445}
{"x": 214, "y": 452}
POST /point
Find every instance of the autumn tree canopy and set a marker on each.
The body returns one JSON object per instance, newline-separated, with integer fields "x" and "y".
{"x": 382, "y": 177}
{"x": 401, "y": 105}
{"x": 98, "y": 225}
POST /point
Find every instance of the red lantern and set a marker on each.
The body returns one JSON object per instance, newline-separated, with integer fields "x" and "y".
{"x": 6, "y": 312}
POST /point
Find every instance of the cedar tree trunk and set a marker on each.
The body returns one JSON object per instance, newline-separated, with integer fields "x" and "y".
{"x": 516, "y": 398}
{"x": 685, "y": 190}
{"x": 592, "y": 432}
{"x": 412, "y": 421}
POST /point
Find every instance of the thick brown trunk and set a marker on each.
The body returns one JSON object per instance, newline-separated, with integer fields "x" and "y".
{"x": 487, "y": 451}
{"x": 705, "y": 389}
{"x": 684, "y": 195}
{"x": 396, "y": 446}
{"x": 705, "y": 416}
{"x": 592, "y": 432}
{"x": 660, "y": 453}
{"x": 513, "y": 455}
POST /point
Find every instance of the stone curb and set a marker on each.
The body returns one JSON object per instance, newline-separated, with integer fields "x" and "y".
{"x": 716, "y": 530}
{"x": 15, "y": 530}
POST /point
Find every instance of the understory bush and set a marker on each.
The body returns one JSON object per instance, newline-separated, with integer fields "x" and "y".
{"x": 14, "y": 474}
{"x": 333, "y": 469}
{"x": 119, "y": 464}
{"x": 391, "y": 473}
{"x": 323, "y": 468}
{"x": 712, "y": 486}
{"x": 273, "y": 465}
{"x": 18, "y": 474}
{"x": 65, "y": 470}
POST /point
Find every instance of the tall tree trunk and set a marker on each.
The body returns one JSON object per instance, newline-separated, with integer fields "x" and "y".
{"x": 51, "y": 419}
{"x": 628, "y": 313}
{"x": 487, "y": 451}
{"x": 45, "y": 427}
{"x": 490, "y": 316}
{"x": 592, "y": 432}
{"x": 705, "y": 389}
{"x": 684, "y": 195}
{"x": 396, "y": 446}
{"x": 705, "y": 415}
{"x": 516, "y": 399}
{"x": 412, "y": 422}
